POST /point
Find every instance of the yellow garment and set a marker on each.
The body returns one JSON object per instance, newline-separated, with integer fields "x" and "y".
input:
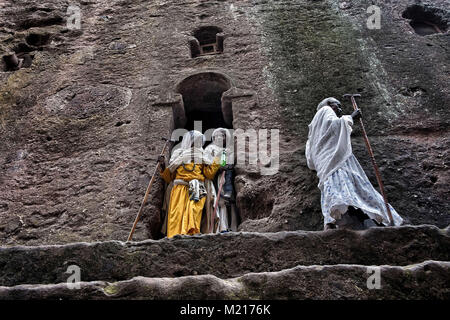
{"x": 185, "y": 216}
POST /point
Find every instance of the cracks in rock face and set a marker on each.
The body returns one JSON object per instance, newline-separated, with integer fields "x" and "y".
{"x": 121, "y": 123}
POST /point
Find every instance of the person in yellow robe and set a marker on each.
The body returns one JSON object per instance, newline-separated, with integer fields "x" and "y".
{"x": 188, "y": 167}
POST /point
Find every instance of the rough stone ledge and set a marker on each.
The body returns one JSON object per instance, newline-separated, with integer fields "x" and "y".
{"x": 427, "y": 280}
{"x": 223, "y": 255}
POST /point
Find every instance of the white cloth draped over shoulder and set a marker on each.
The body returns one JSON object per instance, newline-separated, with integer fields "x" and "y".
{"x": 329, "y": 143}
{"x": 343, "y": 182}
{"x": 190, "y": 150}
{"x": 218, "y": 144}
{"x": 215, "y": 149}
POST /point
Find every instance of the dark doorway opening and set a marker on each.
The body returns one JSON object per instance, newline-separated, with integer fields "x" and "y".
{"x": 426, "y": 20}
{"x": 209, "y": 119}
{"x": 202, "y": 99}
{"x": 424, "y": 28}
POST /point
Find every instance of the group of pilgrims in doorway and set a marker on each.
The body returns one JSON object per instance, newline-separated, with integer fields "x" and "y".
{"x": 200, "y": 197}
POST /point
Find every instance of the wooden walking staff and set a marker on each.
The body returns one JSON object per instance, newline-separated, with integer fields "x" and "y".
{"x": 372, "y": 157}
{"x": 148, "y": 191}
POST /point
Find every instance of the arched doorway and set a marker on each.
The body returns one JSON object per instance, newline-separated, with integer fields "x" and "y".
{"x": 202, "y": 100}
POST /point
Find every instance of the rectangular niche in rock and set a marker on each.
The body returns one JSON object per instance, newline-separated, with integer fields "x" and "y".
{"x": 206, "y": 41}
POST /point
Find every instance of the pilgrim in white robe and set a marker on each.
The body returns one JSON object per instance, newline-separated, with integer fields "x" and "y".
{"x": 227, "y": 221}
{"x": 342, "y": 181}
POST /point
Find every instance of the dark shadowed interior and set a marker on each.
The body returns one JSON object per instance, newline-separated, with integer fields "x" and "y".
{"x": 202, "y": 98}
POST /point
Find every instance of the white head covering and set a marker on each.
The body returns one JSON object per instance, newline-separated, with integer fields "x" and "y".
{"x": 192, "y": 138}
{"x": 219, "y": 132}
{"x": 329, "y": 143}
{"x": 191, "y": 149}
{"x": 326, "y": 101}
{"x": 217, "y": 146}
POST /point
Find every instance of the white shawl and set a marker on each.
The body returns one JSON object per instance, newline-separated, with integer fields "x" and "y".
{"x": 329, "y": 143}
{"x": 190, "y": 151}
{"x": 216, "y": 147}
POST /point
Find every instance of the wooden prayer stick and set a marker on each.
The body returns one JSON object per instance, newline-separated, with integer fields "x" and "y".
{"x": 147, "y": 193}
{"x": 372, "y": 157}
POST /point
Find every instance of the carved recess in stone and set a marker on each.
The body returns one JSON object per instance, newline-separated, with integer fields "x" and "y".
{"x": 427, "y": 20}
{"x": 206, "y": 41}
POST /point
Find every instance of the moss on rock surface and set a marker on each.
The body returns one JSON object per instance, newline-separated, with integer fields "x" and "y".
{"x": 314, "y": 54}
{"x": 338, "y": 282}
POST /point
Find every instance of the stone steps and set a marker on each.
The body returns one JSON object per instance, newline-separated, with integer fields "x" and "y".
{"x": 427, "y": 280}
{"x": 224, "y": 256}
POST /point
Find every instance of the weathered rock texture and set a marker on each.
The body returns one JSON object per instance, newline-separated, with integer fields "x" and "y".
{"x": 81, "y": 126}
{"x": 224, "y": 256}
{"x": 428, "y": 280}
